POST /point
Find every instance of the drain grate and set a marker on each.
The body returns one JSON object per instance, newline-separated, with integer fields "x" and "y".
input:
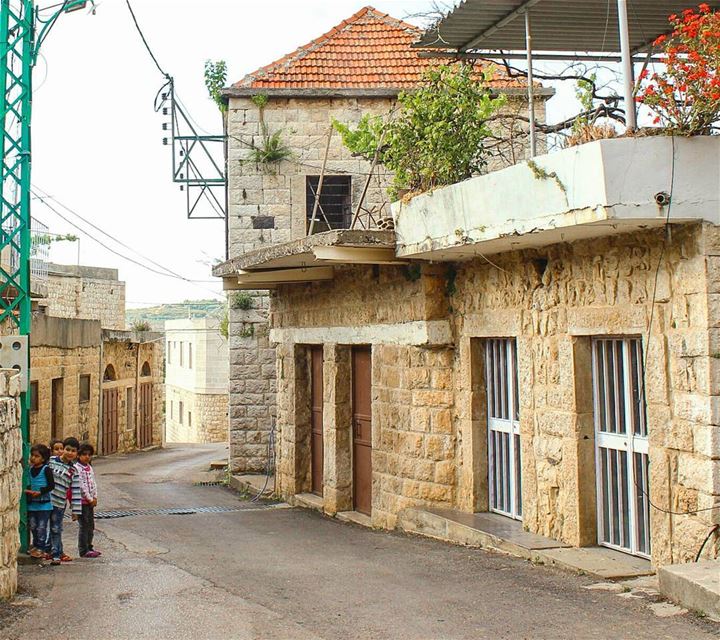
{"x": 170, "y": 511}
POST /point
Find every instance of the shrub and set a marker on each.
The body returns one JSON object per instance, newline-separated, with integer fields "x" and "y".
{"x": 436, "y": 136}
{"x": 685, "y": 96}
{"x": 141, "y": 325}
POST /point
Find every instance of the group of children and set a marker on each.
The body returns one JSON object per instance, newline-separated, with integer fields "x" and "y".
{"x": 61, "y": 474}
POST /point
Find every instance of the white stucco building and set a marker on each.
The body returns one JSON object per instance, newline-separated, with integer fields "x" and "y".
{"x": 196, "y": 378}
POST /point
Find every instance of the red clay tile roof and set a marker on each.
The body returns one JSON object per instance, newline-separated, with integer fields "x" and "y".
{"x": 368, "y": 50}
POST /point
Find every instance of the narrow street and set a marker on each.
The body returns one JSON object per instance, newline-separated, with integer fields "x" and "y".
{"x": 267, "y": 571}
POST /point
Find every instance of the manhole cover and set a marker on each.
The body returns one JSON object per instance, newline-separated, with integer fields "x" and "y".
{"x": 170, "y": 511}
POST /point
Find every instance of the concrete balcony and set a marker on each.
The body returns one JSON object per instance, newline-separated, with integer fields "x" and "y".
{"x": 597, "y": 189}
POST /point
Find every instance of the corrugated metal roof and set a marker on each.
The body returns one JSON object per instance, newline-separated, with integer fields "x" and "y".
{"x": 557, "y": 25}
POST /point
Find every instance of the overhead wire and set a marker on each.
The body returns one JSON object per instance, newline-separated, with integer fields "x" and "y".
{"x": 145, "y": 42}
{"x": 119, "y": 254}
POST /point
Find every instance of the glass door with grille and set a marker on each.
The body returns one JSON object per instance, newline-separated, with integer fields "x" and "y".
{"x": 504, "y": 471}
{"x": 621, "y": 443}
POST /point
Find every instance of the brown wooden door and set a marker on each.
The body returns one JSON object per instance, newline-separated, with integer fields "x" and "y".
{"x": 110, "y": 421}
{"x": 362, "y": 429}
{"x": 56, "y": 409}
{"x": 316, "y": 411}
{"x": 144, "y": 423}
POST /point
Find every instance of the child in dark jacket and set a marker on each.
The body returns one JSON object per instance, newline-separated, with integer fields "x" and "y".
{"x": 39, "y": 504}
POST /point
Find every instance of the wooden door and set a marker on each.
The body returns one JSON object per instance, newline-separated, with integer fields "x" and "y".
{"x": 316, "y": 411}
{"x": 144, "y": 423}
{"x": 110, "y": 421}
{"x": 362, "y": 429}
{"x": 56, "y": 409}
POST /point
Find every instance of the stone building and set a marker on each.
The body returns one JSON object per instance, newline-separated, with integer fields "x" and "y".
{"x": 196, "y": 381}
{"x": 356, "y": 68}
{"x": 88, "y": 376}
{"x": 537, "y": 346}
{"x": 86, "y": 293}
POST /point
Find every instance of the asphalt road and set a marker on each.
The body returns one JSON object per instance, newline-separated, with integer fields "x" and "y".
{"x": 270, "y": 572}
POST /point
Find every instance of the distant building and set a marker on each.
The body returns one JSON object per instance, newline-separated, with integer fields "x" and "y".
{"x": 196, "y": 381}
{"x": 88, "y": 376}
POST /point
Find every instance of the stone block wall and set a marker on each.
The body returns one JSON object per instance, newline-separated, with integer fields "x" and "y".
{"x": 10, "y": 481}
{"x": 208, "y": 411}
{"x": 251, "y": 407}
{"x": 79, "y": 419}
{"x": 429, "y": 406}
{"x": 127, "y": 359}
{"x": 91, "y": 293}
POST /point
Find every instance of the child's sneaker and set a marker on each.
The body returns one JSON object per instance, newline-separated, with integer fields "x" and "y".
{"x": 55, "y": 561}
{"x": 36, "y": 553}
{"x": 65, "y": 558}
{"x": 92, "y": 554}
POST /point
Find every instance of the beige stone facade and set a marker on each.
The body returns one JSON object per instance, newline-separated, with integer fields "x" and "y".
{"x": 89, "y": 293}
{"x": 196, "y": 381}
{"x": 125, "y": 360}
{"x": 429, "y": 410}
{"x": 10, "y": 481}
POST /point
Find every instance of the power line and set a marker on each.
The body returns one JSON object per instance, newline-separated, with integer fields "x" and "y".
{"x": 145, "y": 42}
{"x": 120, "y": 255}
{"x": 114, "y": 239}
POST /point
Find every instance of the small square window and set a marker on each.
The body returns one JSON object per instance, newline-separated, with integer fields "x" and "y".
{"x": 34, "y": 396}
{"x": 334, "y": 209}
{"x": 85, "y": 388}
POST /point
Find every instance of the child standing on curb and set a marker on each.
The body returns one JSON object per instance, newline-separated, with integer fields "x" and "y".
{"x": 67, "y": 487}
{"x": 88, "y": 493}
{"x": 39, "y": 503}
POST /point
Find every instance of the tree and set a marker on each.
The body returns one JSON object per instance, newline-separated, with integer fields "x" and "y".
{"x": 215, "y": 79}
{"x": 435, "y": 135}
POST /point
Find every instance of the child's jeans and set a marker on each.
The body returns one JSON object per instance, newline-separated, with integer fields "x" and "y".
{"x": 86, "y": 529}
{"x": 38, "y": 522}
{"x": 56, "y": 527}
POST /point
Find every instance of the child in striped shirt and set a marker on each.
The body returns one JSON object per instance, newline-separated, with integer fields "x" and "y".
{"x": 67, "y": 487}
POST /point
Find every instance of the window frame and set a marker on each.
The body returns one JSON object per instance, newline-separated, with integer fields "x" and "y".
{"x": 81, "y": 378}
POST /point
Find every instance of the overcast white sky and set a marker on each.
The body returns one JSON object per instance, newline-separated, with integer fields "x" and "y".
{"x": 97, "y": 143}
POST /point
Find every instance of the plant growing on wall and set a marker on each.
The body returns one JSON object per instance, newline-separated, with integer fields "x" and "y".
{"x": 241, "y": 300}
{"x": 271, "y": 148}
{"x": 435, "y": 135}
{"x": 140, "y": 326}
{"x": 685, "y": 96}
{"x": 215, "y": 78}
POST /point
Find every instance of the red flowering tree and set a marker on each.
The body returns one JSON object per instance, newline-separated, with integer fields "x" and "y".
{"x": 686, "y": 96}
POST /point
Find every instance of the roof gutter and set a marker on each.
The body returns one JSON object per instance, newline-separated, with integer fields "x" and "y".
{"x": 378, "y": 92}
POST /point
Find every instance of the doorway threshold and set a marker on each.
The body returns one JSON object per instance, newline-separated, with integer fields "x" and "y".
{"x": 498, "y": 533}
{"x": 309, "y": 501}
{"x": 355, "y": 517}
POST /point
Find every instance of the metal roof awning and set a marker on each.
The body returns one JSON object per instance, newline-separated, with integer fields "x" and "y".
{"x": 584, "y": 26}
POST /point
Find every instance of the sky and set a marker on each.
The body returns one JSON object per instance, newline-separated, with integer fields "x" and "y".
{"x": 97, "y": 142}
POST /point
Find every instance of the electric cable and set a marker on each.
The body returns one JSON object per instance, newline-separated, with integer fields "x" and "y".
{"x": 113, "y": 238}
{"x": 120, "y": 255}
{"x": 145, "y": 42}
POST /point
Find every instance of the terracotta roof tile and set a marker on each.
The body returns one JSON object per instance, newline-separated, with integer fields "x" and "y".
{"x": 368, "y": 50}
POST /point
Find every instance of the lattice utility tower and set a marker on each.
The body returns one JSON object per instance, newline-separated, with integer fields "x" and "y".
{"x": 23, "y": 29}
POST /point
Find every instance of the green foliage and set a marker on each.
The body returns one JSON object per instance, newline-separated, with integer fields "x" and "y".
{"x": 436, "y": 137}
{"x": 241, "y": 300}
{"x": 259, "y": 100}
{"x": 271, "y": 149}
{"x": 224, "y": 327}
{"x": 46, "y": 238}
{"x": 215, "y": 78}
{"x": 247, "y": 331}
{"x": 141, "y": 325}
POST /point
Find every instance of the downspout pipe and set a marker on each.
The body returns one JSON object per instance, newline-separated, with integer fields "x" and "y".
{"x": 531, "y": 88}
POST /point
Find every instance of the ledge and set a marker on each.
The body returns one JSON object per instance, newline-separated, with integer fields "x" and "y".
{"x": 431, "y": 333}
{"x": 592, "y": 190}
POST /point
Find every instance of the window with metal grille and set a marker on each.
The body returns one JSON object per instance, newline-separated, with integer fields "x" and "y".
{"x": 621, "y": 440}
{"x": 334, "y": 209}
{"x": 84, "y": 391}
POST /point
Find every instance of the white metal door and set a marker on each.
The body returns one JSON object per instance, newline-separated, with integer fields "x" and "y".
{"x": 621, "y": 445}
{"x": 503, "y": 427}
